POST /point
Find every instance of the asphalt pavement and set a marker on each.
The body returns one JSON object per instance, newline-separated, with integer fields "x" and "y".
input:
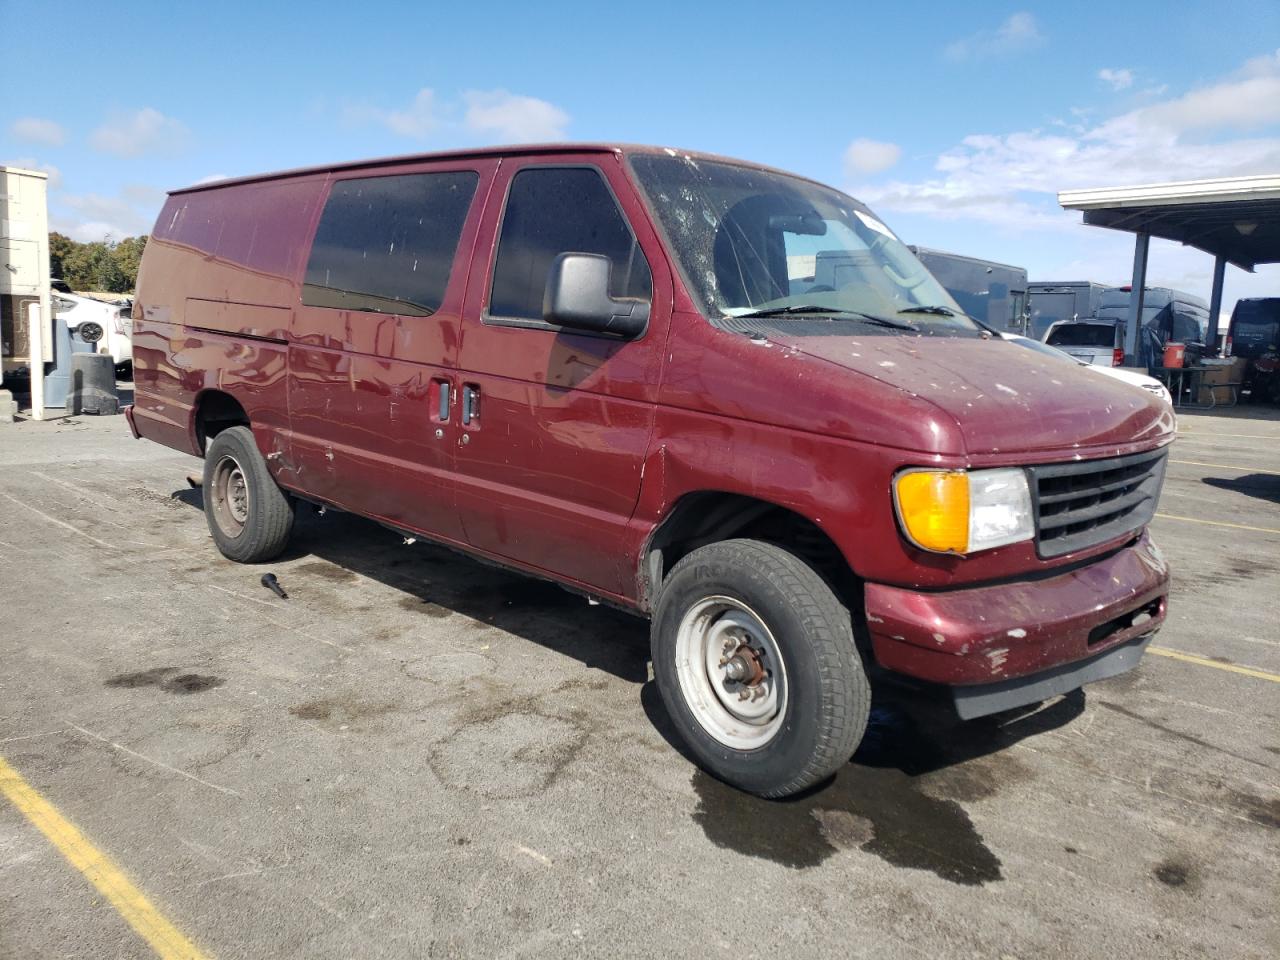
{"x": 417, "y": 755}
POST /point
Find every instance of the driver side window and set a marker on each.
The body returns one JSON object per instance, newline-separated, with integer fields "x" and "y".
{"x": 555, "y": 210}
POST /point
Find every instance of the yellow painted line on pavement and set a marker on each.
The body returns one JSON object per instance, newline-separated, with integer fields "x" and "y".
{"x": 129, "y": 901}
{"x": 1227, "y": 466}
{"x": 1205, "y": 662}
{"x": 1218, "y": 523}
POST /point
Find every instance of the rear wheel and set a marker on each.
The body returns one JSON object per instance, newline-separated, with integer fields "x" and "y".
{"x": 755, "y": 660}
{"x": 249, "y": 516}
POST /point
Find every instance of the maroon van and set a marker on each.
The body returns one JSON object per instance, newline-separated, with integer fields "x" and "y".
{"x": 718, "y": 395}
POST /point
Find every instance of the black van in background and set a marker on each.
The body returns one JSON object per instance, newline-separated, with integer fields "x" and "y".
{"x": 1255, "y": 328}
{"x": 1167, "y": 314}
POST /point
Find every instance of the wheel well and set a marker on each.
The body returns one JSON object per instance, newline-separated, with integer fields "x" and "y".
{"x": 215, "y": 411}
{"x": 702, "y": 518}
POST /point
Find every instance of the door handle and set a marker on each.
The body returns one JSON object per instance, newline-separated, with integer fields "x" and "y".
{"x": 470, "y": 403}
{"x": 445, "y": 399}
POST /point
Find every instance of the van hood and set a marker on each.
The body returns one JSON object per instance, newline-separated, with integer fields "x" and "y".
{"x": 1002, "y": 398}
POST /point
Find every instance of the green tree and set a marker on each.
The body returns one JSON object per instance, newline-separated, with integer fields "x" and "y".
{"x": 60, "y": 247}
{"x": 91, "y": 266}
{"x": 127, "y": 255}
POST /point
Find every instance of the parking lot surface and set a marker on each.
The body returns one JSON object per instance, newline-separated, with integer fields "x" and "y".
{"x": 417, "y": 755}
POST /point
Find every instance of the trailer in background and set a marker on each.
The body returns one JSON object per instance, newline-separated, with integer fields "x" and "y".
{"x": 995, "y": 293}
{"x": 1052, "y": 301}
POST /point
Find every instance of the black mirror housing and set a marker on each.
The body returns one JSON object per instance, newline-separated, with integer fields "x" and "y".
{"x": 577, "y": 297}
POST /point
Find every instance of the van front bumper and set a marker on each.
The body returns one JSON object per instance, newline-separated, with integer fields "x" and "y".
{"x": 1017, "y": 636}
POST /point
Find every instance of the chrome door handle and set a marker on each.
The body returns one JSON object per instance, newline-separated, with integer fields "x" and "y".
{"x": 470, "y": 403}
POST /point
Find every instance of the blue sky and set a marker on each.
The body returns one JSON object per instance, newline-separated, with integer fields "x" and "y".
{"x": 957, "y": 125}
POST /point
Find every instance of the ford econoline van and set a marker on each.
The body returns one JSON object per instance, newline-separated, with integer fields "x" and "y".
{"x": 721, "y": 396}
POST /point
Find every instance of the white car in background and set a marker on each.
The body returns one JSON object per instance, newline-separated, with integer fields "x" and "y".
{"x": 108, "y": 326}
{"x": 1141, "y": 380}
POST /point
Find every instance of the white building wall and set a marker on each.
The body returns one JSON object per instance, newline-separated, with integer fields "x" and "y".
{"x": 24, "y": 254}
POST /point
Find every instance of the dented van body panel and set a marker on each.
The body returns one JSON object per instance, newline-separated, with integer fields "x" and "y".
{"x": 564, "y": 454}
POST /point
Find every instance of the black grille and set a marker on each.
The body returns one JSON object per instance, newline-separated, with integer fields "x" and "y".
{"x": 1089, "y": 502}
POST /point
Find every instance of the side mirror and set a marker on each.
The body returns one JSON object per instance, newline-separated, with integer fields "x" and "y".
{"x": 577, "y": 297}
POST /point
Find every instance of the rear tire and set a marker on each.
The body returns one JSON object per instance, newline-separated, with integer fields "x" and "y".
{"x": 755, "y": 660}
{"x": 249, "y": 516}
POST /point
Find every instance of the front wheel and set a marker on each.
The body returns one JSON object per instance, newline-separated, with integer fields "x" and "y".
{"x": 249, "y": 516}
{"x": 755, "y": 660}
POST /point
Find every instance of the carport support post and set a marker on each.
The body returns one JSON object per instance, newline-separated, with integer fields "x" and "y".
{"x": 1141, "y": 243}
{"x": 1215, "y": 303}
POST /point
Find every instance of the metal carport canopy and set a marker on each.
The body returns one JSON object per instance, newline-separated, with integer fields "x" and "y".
{"x": 1235, "y": 219}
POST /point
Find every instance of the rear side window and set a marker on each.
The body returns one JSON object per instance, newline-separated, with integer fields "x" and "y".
{"x": 386, "y": 244}
{"x": 1083, "y": 335}
{"x": 555, "y": 210}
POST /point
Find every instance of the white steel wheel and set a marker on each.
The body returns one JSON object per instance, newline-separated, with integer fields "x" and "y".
{"x": 230, "y": 494}
{"x": 731, "y": 672}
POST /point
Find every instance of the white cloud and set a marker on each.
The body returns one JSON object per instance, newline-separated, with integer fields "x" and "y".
{"x": 870, "y": 156}
{"x": 513, "y": 118}
{"x": 1020, "y": 32}
{"x": 1249, "y": 100}
{"x": 494, "y": 114}
{"x": 31, "y": 163}
{"x": 1009, "y": 182}
{"x": 418, "y": 120}
{"x": 38, "y": 130}
{"x": 131, "y": 134}
{"x": 1012, "y": 179}
{"x": 92, "y": 216}
{"x": 1121, "y": 79}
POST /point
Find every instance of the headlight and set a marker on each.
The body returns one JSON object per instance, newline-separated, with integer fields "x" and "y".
{"x": 964, "y": 511}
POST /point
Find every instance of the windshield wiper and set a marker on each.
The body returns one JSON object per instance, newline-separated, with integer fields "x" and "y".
{"x": 828, "y": 312}
{"x": 938, "y": 311}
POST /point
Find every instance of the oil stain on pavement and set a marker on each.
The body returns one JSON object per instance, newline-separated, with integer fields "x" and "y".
{"x": 897, "y": 799}
{"x": 164, "y": 678}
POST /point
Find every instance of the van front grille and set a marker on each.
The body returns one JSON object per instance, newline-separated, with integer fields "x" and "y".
{"x": 1081, "y": 504}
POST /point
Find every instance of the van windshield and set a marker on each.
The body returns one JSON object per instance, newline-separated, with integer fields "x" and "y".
{"x": 752, "y": 242}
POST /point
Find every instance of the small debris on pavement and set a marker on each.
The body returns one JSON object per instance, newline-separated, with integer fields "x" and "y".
{"x": 271, "y": 583}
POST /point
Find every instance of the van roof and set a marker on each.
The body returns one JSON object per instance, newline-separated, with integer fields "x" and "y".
{"x": 497, "y": 151}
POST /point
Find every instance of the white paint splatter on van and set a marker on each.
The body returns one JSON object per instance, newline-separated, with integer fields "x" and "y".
{"x": 1017, "y": 633}
{"x": 887, "y": 363}
{"x": 1008, "y": 390}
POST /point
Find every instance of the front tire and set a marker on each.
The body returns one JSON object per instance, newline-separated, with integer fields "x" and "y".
{"x": 755, "y": 660}
{"x": 249, "y": 516}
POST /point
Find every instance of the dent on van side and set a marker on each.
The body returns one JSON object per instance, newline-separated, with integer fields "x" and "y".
{"x": 724, "y": 397}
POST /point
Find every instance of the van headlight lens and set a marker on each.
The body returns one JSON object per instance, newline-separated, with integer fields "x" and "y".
{"x": 964, "y": 511}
